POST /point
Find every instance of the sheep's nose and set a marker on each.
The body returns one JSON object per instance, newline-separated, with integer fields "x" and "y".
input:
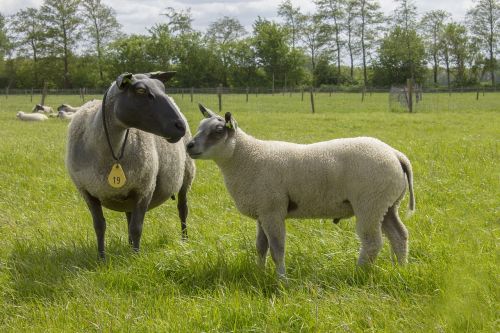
{"x": 179, "y": 124}
{"x": 190, "y": 144}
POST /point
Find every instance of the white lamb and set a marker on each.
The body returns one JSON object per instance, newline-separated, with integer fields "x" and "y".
{"x": 31, "y": 116}
{"x": 271, "y": 180}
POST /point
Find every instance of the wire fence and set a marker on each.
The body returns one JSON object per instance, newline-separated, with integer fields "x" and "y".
{"x": 307, "y": 99}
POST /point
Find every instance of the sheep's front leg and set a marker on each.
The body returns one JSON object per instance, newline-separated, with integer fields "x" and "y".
{"x": 262, "y": 245}
{"x": 95, "y": 208}
{"x": 274, "y": 229}
{"x": 136, "y": 222}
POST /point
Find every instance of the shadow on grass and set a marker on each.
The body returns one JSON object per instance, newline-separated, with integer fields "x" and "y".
{"x": 45, "y": 271}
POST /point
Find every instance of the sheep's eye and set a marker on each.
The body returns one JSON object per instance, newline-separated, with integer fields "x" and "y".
{"x": 219, "y": 129}
{"x": 140, "y": 91}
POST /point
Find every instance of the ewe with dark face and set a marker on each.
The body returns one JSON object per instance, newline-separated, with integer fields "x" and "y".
{"x": 126, "y": 153}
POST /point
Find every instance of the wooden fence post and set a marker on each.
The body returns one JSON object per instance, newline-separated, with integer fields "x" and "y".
{"x": 410, "y": 95}
{"x": 312, "y": 99}
{"x": 302, "y": 91}
{"x": 477, "y": 95}
{"x": 192, "y": 91}
{"x": 31, "y": 98}
{"x": 219, "y": 94}
{"x": 247, "y": 94}
{"x": 363, "y": 94}
{"x": 44, "y": 93}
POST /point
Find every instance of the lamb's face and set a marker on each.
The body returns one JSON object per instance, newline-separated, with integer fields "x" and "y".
{"x": 212, "y": 139}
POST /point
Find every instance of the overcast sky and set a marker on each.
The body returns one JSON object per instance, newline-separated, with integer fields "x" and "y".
{"x": 136, "y": 16}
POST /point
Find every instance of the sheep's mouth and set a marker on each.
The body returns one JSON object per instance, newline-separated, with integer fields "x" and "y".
{"x": 173, "y": 140}
{"x": 194, "y": 155}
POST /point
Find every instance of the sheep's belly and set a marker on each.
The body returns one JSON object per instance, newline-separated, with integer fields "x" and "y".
{"x": 341, "y": 209}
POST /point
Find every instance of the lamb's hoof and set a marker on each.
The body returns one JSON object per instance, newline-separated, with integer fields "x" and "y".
{"x": 101, "y": 256}
{"x": 336, "y": 221}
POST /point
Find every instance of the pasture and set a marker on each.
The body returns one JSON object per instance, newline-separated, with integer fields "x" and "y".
{"x": 51, "y": 280}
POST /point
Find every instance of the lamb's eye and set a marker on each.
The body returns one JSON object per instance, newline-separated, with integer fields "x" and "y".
{"x": 140, "y": 91}
{"x": 219, "y": 129}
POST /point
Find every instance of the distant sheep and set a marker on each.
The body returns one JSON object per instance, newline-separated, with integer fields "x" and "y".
{"x": 271, "y": 180}
{"x": 42, "y": 109}
{"x": 65, "y": 115}
{"x": 127, "y": 153}
{"x": 31, "y": 116}
{"x": 67, "y": 108}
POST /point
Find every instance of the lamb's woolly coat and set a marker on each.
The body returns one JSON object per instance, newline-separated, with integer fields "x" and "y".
{"x": 151, "y": 164}
{"x": 67, "y": 108}
{"x": 65, "y": 115}
{"x": 42, "y": 109}
{"x": 333, "y": 179}
{"x": 31, "y": 116}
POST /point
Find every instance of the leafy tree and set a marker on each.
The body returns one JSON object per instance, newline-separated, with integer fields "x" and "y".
{"x": 179, "y": 22}
{"x": 351, "y": 23}
{"x": 315, "y": 35}
{"x": 30, "y": 37}
{"x": 457, "y": 52}
{"x": 223, "y": 35}
{"x": 405, "y": 17}
{"x": 161, "y": 46}
{"x": 484, "y": 22}
{"x": 102, "y": 27}
{"x": 129, "y": 54}
{"x": 334, "y": 11}
{"x": 370, "y": 22}
{"x": 293, "y": 19}
{"x": 432, "y": 25}
{"x": 63, "y": 30}
{"x": 392, "y": 66}
{"x": 245, "y": 70}
{"x": 4, "y": 42}
{"x": 273, "y": 53}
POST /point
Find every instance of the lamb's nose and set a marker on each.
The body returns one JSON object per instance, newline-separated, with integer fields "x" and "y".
{"x": 190, "y": 145}
{"x": 179, "y": 124}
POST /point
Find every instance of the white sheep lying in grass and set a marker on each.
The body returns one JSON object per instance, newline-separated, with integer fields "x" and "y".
{"x": 31, "y": 116}
{"x": 127, "y": 153}
{"x": 67, "y": 108}
{"x": 42, "y": 109}
{"x": 271, "y": 180}
{"x": 65, "y": 115}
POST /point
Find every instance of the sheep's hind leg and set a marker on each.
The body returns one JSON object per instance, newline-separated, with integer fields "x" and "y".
{"x": 95, "y": 208}
{"x": 274, "y": 228}
{"x": 262, "y": 245}
{"x": 129, "y": 218}
{"x": 183, "y": 209}
{"x": 370, "y": 234}
{"x": 397, "y": 234}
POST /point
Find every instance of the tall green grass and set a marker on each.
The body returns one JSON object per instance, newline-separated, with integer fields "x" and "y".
{"x": 51, "y": 280}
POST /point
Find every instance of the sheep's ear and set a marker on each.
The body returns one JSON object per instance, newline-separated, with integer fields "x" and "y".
{"x": 207, "y": 113}
{"x": 162, "y": 76}
{"x": 230, "y": 121}
{"x": 123, "y": 80}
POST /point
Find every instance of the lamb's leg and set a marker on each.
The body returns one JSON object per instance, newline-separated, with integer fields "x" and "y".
{"x": 95, "y": 208}
{"x": 274, "y": 229}
{"x": 136, "y": 222}
{"x": 183, "y": 209}
{"x": 262, "y": 245}
{"x": 370, "y": 234}
{"x": 129, "y": 218}
{"x": 397, "y": 234}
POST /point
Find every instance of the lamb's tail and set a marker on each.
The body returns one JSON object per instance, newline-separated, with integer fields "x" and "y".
{"x": 406, "y": 165}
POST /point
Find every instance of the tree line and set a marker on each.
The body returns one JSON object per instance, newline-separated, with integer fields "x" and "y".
{"x": 80, "y": 43}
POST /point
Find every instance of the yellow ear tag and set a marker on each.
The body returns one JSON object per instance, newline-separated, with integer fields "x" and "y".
{"x": 116, "y": 177}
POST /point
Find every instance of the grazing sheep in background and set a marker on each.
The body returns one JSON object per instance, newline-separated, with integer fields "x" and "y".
{"x": 143, "y": 126}
{"x": 31, "y": 116}
{"x": 271, "y": 180}
{"x": 65, "y": 115}
{"x": 42, "y": 109}
{"x": 67, "y": 108}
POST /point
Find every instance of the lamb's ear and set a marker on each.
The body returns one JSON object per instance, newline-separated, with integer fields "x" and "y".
{"x": 162, "y": 76}
{"x": 123, "y": 80}
{"x": 207, "y": 113}
{"x": 230, "y": 121}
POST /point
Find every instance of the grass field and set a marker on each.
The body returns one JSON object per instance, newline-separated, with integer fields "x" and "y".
{"x": 51, "y": 280}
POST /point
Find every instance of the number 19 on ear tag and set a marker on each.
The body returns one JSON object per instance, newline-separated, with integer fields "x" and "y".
{"x": 116, "y": 177}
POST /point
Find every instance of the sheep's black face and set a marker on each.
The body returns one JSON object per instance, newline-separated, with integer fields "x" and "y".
{"x": 211, "y": 139}
{"x": 143, "y": 104}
